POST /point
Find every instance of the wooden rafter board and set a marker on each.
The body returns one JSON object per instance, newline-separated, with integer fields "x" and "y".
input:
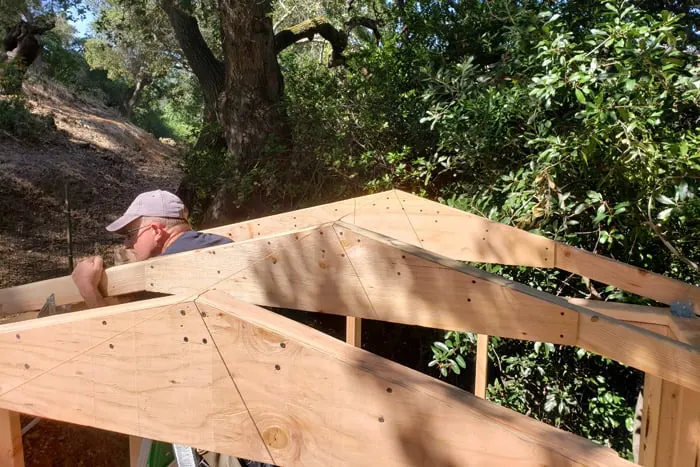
{"x": 219, "y": 374}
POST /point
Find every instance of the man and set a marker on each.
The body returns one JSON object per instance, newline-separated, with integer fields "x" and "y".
{"x": 155, "y": 224}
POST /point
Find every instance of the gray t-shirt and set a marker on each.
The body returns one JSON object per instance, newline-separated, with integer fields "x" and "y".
{"x": 193, "y": 240}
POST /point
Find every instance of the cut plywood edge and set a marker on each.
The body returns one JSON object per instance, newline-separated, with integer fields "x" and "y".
{"x": 319, "y": 401}
{"x": 154, "y": 373}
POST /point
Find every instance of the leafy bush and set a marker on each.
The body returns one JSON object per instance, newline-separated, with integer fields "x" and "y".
{"x": 18, "y": 121}
{"x": 579, "y": 123}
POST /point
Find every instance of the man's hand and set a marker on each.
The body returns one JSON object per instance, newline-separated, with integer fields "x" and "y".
{"x": 87, "y": 276}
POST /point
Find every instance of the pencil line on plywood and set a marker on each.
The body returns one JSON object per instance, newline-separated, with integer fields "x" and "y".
{"x": 83, "y": 352}
{"x": 357, "y": 276}
{"x": 233, "y": 380}
{"x": 420, "y": 240}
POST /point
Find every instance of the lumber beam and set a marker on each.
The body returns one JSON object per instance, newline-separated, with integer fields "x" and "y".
{"x": 671, "y": 421}
{"x": 629, "y": 278}
{"x": 11, "y": 451}
{"x": 119, "y": 280}
{"x": 353, "y": 331}
{"x": 259, "y": 386}
{"x": 651, "y": 420}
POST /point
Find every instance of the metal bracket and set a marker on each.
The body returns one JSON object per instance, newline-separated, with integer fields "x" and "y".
{"x": 186, "y": 456}
{"x": 682, "y": 309}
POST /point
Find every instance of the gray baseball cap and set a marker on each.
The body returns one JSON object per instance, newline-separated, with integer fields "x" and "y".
{"x": 156, "y": 203}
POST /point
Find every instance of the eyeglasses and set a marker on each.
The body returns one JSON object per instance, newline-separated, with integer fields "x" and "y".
{"x": 128, "y": 234}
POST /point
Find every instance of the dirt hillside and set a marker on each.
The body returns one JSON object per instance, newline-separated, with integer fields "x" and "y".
{"x": 105, "y": 162}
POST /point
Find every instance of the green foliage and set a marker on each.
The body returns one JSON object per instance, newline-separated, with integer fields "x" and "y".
{"x": 579, "y": 123}
{"x": 16, "y": 120}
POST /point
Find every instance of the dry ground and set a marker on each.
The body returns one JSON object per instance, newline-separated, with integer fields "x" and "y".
{"x": 105, "y": 162}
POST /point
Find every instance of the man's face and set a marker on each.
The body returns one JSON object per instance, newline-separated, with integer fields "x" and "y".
{"x": 145, "y": 239}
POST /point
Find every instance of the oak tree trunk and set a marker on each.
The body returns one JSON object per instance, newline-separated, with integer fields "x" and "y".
{"x": 250, "y": 107}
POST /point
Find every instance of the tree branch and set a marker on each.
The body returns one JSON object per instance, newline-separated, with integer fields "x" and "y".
{"x": 321, "y": 26}
{"x": 666, "y": 243}
{"x": 206, "y": 67}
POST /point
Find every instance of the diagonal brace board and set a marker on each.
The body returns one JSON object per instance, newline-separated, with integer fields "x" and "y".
{"x": 250, "y": 383}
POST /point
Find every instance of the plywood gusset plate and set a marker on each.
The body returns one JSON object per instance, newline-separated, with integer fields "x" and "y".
{"x": 219, "y": 374}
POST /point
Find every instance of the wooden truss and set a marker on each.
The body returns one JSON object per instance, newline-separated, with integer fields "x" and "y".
{"x": 204, "y": 365}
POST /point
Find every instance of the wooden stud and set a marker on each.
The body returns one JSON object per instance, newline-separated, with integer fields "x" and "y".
{"x": 353, "y": 331}
{"x": 651, "y": 417}
{"x": 482, "y": 365}
{"x": 11, "y": 451}
{"x": 134, "y": 450}
{"x": 675, "y": 410}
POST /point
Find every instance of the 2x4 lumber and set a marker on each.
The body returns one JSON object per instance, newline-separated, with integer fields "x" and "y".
{"x": 118, "y": 280}
{"x": 638, "y": 281}
{"x": 327, "y": 403}
{"x": 482, "y": 365}
{"x": 134, "y": 451}
{"x": 353, "y": 331}
{"x": 678, "y": 443}
{"x": 651, "y": 419}
{"x": 11, "y": 450}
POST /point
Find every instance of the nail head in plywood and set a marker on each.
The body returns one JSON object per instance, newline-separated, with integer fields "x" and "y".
{"x": 467, "y": 237}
